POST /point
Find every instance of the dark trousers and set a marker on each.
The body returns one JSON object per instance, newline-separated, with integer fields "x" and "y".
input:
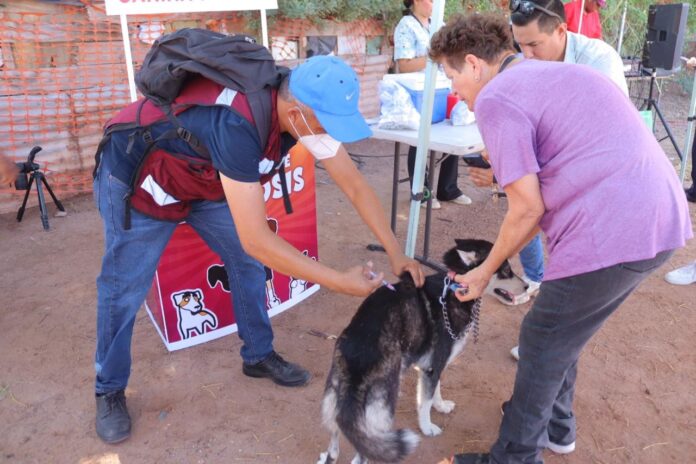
{"x": 566, "y": 314}
{"x": 447, "y": 181}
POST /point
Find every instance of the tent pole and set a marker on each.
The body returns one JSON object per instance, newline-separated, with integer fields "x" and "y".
{"x": 582, "y": 13}
{"x": 129, "y": 58}
{"x": 423, "y": 134}
{"x": 623, "y": 28}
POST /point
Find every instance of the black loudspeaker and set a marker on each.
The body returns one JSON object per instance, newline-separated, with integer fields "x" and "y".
{"x": 664, "y": 39}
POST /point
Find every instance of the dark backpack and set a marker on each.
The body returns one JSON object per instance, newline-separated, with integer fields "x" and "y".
{"x": 175, "y": 60}
{"x": 235, "y": 61}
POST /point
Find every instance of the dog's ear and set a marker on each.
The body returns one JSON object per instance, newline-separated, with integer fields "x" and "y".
{"x": 469, "y": 258}
{"x": 454, "y": 262}
{"x": 468, "y": 254}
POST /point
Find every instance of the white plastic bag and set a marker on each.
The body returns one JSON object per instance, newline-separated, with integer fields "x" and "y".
{"x": 461, "y": 116}
{"x": 396, "y": 107}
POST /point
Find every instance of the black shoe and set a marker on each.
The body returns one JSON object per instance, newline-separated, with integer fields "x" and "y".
{"x": 279, "y": 370}
{"x": 471, "y": 458}
{"x": 691, "y": 194}
{"x": 113, "y": 421}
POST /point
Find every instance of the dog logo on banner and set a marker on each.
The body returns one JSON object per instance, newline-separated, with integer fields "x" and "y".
{"x": 272, "y": 299}
{"x": 298, "y": 285}
{"x": 218, "y": 275}
{"x": 192, "y": 315}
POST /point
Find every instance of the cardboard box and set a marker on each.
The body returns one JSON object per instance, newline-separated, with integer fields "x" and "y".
{"x": 189, "y": 303}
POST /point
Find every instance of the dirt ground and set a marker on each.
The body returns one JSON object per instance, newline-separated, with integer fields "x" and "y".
{"x": 635, "y": 398}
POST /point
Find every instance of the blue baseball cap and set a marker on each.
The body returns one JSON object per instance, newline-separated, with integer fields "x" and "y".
{"x": 331, "y": 89}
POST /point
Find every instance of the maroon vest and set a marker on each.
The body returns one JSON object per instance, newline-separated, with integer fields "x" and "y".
{"x": 164, "y": 183}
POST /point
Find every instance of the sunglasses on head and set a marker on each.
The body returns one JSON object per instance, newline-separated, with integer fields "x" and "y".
{"x": 527, "y": 7}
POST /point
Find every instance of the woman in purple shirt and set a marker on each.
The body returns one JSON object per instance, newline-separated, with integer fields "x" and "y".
{"x": 576, "y": 162}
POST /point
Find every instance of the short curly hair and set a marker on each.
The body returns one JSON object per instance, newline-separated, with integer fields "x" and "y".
{"x": 485, "y": 36}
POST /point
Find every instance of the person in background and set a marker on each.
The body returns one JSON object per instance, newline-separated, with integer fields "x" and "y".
{"x": 686, "y": 275}
{"x": 411, "y": 39}
{"x": 591, "y": 195}
{"x": 543, "y": 32}
{"x": 591, "y": 20}
{"x": 8, "y": 171}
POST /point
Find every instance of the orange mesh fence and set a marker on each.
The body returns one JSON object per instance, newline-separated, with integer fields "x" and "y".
{"x": 63, "y": 74}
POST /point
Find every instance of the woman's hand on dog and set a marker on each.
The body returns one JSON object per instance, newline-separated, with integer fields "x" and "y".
{"x": 473, "y": 282}
{"x": 403, "y": 263}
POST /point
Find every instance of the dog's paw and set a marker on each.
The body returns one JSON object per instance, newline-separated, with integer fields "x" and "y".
{"x": 444, "y": 406}
{"x": 430, "y": 430}
{"x": 324, "y": 458}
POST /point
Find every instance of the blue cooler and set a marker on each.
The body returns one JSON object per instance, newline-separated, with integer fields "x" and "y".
{"x": 439, "y": 104}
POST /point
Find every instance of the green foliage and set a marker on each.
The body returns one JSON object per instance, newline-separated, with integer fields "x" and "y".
{"x": 390, "y": 11}
{"x": 341, "y": 10}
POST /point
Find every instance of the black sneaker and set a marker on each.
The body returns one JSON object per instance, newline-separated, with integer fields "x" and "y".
{"x": 471, "y": 458}
{"x": 691, "y": 194}
{"x": 113, "y": 421}
{"x": 278, "y": 370}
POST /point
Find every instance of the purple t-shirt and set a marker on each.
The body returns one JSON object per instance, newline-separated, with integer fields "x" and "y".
{"x": 610, "y": 194}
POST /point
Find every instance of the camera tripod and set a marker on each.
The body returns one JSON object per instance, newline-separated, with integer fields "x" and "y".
{"x": 652, "y": 103}
{"x": 30, "y": 169}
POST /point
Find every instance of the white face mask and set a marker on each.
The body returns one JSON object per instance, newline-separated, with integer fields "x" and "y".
{"x": 321, "y": 146}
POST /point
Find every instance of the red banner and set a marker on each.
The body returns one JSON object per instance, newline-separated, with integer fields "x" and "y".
{"x": 190, "y": 301}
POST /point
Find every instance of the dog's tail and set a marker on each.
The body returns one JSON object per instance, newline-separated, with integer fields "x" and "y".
{"x": 368, "y": 431}
{"x": 373, "y": 442}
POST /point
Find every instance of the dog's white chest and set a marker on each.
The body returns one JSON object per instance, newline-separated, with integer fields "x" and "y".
{"x": 457, "y": 348}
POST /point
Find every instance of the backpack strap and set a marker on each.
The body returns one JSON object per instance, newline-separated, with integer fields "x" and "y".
{"x": 139, "y": 129}
{"x": 262, "y": 112}
{"x": 180, "y": 132}
{"x": 98, "y": 154}
{"x": 284, "y": 187}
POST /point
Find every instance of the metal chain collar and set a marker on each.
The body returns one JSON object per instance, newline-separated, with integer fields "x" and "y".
{"x": 475, "y": 311}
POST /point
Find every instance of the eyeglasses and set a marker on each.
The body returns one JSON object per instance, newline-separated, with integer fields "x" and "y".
{"x": 527, "y": 7}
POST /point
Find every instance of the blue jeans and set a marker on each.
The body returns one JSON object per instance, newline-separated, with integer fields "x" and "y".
{"x": 129, "y": 264}
{"x": 564, "y": 317}
{"x": 532, "y": 259}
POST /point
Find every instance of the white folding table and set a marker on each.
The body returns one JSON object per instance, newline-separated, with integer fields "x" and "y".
{"x": 444, "y": 138}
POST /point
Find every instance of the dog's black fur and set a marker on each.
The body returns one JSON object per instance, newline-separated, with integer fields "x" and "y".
{"x": 390, "y": 332}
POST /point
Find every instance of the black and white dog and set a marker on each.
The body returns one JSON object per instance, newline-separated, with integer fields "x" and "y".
{"x": 391, "y": 331}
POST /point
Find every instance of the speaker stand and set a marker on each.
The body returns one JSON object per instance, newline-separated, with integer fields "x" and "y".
{"x": 652, "y": 103}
